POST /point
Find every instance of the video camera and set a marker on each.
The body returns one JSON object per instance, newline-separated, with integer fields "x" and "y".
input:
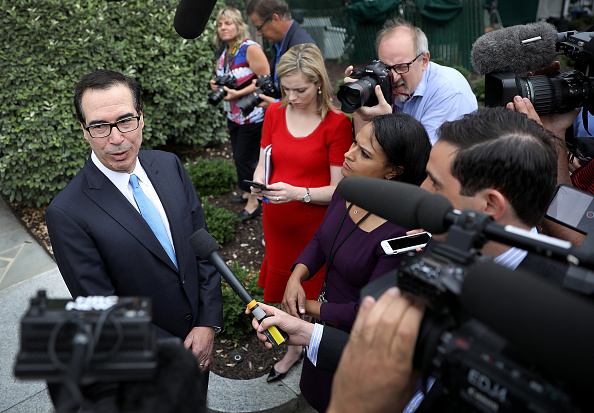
{"x": 266, "y": 86}
{"x": 362, "y": 92}
{"x": 555, "y": 93}
{"x": 495, "y": 340}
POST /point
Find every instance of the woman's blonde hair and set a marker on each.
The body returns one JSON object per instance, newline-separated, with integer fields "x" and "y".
{"x": 306, "y": 58}
{"x": 231, "y": 13}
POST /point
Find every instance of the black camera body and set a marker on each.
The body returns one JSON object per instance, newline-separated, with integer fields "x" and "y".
{"x": 266, "y": 86}
{"x": 225, "y": 80}
{"x": 362, "y": 92}
{"x": 557, "y": 93}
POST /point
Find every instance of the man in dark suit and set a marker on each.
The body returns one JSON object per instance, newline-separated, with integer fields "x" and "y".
{"x": 273, "y": 21}
{"x": 102, "y": 243}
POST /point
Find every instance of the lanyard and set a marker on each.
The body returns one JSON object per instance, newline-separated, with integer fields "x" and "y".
{"x": 332, "y": 254}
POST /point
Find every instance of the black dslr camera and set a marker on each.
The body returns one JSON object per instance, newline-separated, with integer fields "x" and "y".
{"x": 266, "y": 87}
{"x": 556, "y": 93}
{"x": 226, "y": 80}
{"x": 362, "y": 92}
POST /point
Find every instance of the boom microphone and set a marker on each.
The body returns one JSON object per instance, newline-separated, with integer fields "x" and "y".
{"x": 545, "y": 325}
{"x": 412, "y": 207}
{"x": 206, "y": 249}
{"x": 517, "y": 49}
{"x": 192, "y": 16}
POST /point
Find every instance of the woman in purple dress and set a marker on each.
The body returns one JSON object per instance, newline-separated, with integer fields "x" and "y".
{"x": 396, "y": 147}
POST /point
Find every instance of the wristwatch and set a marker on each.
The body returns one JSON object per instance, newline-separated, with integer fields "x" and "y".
{"x": 307, "y": 196}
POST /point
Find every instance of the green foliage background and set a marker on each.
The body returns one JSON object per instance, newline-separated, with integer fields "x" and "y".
{"x": 212, "y": 177}
{"x": 47, "y": 45}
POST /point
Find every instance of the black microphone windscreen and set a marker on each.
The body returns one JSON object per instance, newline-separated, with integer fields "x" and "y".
{"x": 403, "y": 204}
{"x": 192, "y": 16}
{"x": 395, "y": 201}
{"x": 203, "y": 243}
{"x": 546, "y": 325}
{"x": 503, "y": 50}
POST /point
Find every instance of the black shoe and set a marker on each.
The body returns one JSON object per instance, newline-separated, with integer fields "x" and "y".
{"x": 238, "y": 199}
{"x": 275, "y": 375}
{"x": 244, "y": 215}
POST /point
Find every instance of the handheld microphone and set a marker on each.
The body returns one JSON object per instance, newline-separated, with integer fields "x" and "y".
{"x": 192, "y": 16}
{"x": 206, "y": 249}
{"x": 517, "y": 49}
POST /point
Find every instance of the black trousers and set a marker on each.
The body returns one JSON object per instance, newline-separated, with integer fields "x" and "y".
{"x": 245, "y": 141}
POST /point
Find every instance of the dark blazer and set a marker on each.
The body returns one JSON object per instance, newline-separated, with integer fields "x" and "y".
{"x": 295, "y": 35}
{"x": 104, "y": 247}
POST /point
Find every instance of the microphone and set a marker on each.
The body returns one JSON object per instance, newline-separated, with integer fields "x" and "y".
{"x": 192, "y": 16}
{"x": 403, "y": 204}
{"x": 546, "y": 325}
{"x": 206, "y": 249}
{"x": 517, "y": 49}
{"x": 410, "y": 206}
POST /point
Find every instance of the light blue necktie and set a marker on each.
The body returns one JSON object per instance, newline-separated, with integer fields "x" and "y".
{"x": 151, "y": 216}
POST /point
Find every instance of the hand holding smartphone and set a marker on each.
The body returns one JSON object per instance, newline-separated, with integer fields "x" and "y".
{"x": 406, "y": 243}
{"x": 256, "y": 185}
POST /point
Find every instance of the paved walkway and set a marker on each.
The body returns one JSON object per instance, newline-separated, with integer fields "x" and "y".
{"x": 26, "y": 267}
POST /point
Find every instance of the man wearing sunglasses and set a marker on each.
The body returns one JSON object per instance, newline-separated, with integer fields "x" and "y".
{"x": 122, "y": 225}
{"x": 430, "y": 93}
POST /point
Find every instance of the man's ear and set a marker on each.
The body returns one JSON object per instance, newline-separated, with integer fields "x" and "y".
{"x": 493, "y": 203}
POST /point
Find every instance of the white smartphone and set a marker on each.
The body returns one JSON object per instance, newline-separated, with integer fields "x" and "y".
{"x": 405, "y": 243}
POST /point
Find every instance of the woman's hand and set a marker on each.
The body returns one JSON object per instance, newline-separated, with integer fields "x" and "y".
{"x": 294, "y": 297}
{"x": 213, "y": 85}
{"x": 281, "y": 193}
{"x": 232, "y": 94}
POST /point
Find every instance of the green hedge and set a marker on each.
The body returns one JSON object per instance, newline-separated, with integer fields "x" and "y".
{"x": 47, "y": 45}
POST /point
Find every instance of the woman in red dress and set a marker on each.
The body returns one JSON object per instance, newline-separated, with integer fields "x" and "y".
{"x": 309, "y": 138}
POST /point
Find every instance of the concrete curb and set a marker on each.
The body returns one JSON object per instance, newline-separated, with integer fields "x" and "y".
{"x": 257, "y": 395}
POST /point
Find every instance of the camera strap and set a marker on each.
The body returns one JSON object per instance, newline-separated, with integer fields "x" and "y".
{"x": 332, "y": 254}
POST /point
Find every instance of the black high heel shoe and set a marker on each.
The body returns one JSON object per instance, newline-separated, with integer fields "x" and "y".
{"x": 275, "y": 375}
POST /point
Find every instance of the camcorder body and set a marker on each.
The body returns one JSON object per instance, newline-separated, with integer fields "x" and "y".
{"x": 353, "y": 95}
{"x": 266, "y": 86}
{"x": 475, "y": 369}
{"x": 556, "y": 93}
{"x": 225, "y": 80}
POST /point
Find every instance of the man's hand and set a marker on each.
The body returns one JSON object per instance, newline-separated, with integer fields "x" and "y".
{"x": 554, "y": 122}
{"x": 375, "y": 373}
{"x": 200, "y": 340}
{"x": 299, "y": 331}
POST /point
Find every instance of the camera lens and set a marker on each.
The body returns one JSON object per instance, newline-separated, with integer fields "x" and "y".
{"x": 248, "y": 103}
{"x": 356, "y": 94}
{"x": 216, "y": 96}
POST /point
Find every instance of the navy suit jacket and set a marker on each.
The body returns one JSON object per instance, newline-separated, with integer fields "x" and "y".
{"x": 103, "y": 246}
{"x": 294, "y": 36}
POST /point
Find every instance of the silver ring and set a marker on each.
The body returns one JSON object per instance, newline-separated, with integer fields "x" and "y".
{"x": 201, "y": 365}
{"x": 278, "y": 198}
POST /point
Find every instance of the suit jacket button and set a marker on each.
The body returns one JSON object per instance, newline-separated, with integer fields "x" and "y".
{"x": 188, "y": 317}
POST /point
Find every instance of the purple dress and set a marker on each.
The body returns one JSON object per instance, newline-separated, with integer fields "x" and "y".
{"x": 358, "y": 261}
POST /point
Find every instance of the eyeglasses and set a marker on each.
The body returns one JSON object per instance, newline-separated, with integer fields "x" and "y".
{"x": 258, "y": 28}
{"x": 402, "y": 68}
{"x": 103, "y": 130}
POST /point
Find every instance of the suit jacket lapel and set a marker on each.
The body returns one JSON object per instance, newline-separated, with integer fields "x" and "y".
{"x": 110, "y": 199}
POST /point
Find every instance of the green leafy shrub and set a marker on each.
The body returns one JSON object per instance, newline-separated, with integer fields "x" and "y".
{"x": 46, "y": 46}
{"x": 478, "y": 87}
{"x": 238, "y": 325}
{"x": 212, "y": 177}
{"x": 221, "y": 222}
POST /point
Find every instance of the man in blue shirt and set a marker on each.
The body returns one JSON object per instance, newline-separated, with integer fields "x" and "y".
{"x": 273, "y": 21}
{"x": 430, "y": 93}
